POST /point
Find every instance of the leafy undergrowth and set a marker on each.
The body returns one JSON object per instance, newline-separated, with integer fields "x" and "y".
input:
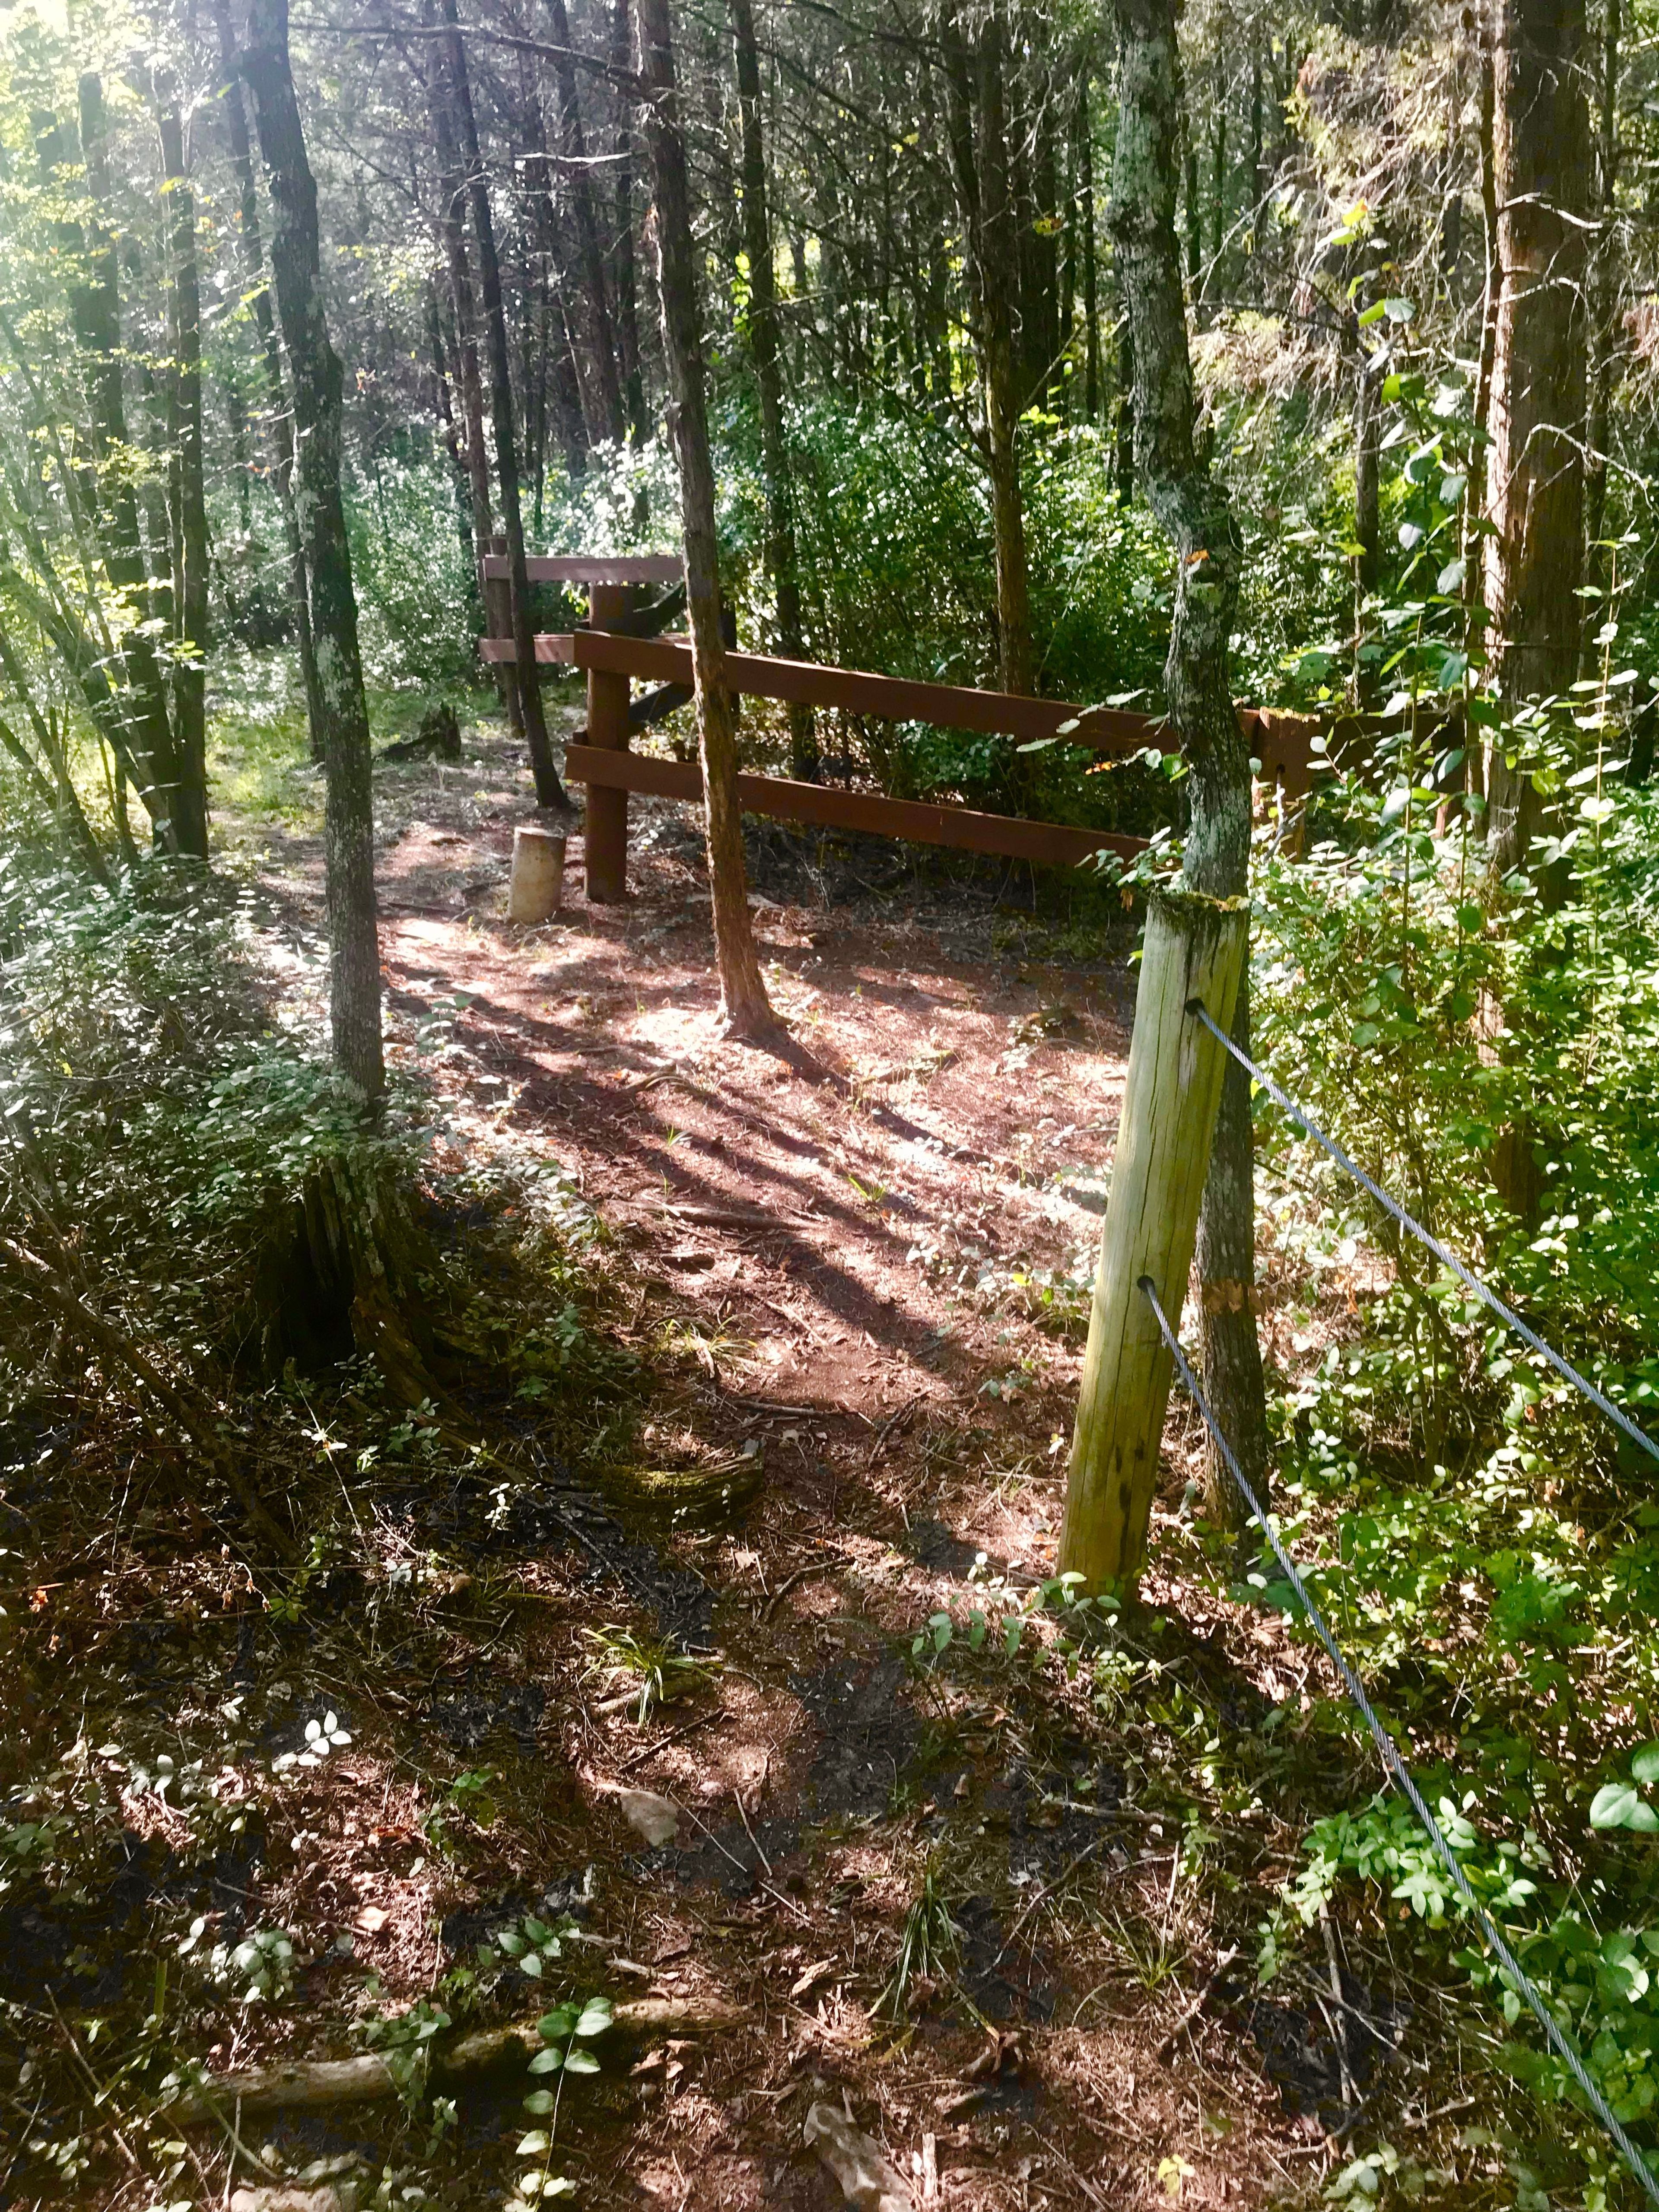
{"x": 605, "y": 1683}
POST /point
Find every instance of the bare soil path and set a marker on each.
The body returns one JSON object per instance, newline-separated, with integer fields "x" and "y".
{"x": 856, "y": 1261}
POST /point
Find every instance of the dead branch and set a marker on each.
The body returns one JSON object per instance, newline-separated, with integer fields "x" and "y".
{"x": 311, "y": 2084}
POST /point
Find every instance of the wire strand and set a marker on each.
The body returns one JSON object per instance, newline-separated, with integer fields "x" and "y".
{"x": 1400, "y": 1773}
{"x": 1488, "y": 1297}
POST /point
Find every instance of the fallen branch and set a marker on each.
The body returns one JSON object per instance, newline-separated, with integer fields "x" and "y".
{"x": 311, "y": 2084}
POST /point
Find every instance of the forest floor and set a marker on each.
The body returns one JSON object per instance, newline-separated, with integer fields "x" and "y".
{"x": 856, "y": 1267}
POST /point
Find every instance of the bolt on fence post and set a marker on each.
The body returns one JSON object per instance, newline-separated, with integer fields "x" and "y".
{"x": 1193, "y": 948}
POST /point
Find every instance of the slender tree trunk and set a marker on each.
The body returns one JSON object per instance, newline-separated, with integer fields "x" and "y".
{"x": 280, "y": 419}
{"x": 628, "y": 317}
{"x": 1367, "y": 457}
{"x": 1090, "y": 265}
{"x": 464, "y": 307}
{"x": 318, "y": 391}
{"x": 1124, "y": 454}
{"x": 190, "y": 528}
{"x": 443, "y": 407}
{"x": 745, "y": 1006}
{"x": 1192, "y": 506}
{"x": 591, "y": 256}
{"x": 146, "y": 722}
{"x": 998, "y": 280}
{"x": 1534, "y": 558}
{"x": 549, "y": 791}
{"x": 1604, "y": 300}
{"x": 763, "y": 332}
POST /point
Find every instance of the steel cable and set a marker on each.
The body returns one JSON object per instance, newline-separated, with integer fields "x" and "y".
{"x": 1400, "y": 1773}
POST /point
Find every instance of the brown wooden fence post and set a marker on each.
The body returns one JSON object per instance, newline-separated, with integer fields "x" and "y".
{"x": 498, "y": 616}
{"x": 606, "y": 835}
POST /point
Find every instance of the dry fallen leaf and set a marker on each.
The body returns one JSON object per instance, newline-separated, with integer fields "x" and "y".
{"x": 656, "y": 1818}
{"x": 371, "y": 1920}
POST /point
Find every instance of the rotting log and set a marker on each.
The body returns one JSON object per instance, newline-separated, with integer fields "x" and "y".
{"x": 314, "y": 2083}
{"x": 1194, "y": 950}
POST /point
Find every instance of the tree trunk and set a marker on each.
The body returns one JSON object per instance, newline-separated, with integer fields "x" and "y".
{"x": 280, "y": 421}
{"x": 628, "y": 318}
{"x": 443, "y": 407}
{"x": 1192, "y": 506}
{"x": 1534, "y": 559}
{"x": 1604, "y": 302}
{"x": 146, "y": 724}
{"x": 601, "y": 341}
{"x": 189, "y": 529}
{"x": 464, "y": 307}
{"x": 1090, "y": 265}
{"x": 1226, "y": 1276}
{"x": 746, "y": 1010}
{"x": 549, "y": 791}
{"x": 763, "y": 332}
{"x": 999, "y": 265}
{"x": 319, "y": 389}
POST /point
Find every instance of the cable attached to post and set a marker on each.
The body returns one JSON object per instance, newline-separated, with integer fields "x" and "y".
{"x": 1400, "y": 1773}
{"x": 1488, "y": 1297}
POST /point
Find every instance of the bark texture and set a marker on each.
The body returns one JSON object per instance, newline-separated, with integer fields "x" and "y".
{"x": 763, "y": 332}
{"x": 280, "y": 422}
{"x": 745, "y": 1006}
{"x": 318, "y": 384}
{"x": 1536, "y": 479}
{"x": 549, "y": 791}
{"x": 1194, "y": 508}
{"x": 187, "y": 495}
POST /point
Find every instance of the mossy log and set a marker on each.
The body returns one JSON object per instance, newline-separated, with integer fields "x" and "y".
{"x": 710, "y": 1495}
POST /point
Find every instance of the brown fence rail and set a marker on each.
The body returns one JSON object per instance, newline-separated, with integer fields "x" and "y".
{"x": 613, "y": 659}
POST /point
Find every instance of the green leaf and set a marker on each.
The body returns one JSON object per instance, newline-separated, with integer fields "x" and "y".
{"x": 546, "y": 2062}
{"x": 1401, "y": 310}
{"x": 540, "y": 2101}
{"x": 597, "y": 2015}
{"x": 1616, "y": 1805}
{"x": 553, "y": 2026}
{"x": 1644, "y": 1765}
{"x": 532, "y": 2145}
{"x": 580, "y": 2062}
{"x": 530, "y": 1964}
{"x": 1374, "y": 313}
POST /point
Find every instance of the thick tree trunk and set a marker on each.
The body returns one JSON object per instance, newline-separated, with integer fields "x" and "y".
{"x": 549, "y": 791}
{"x": 601, "y": 341}
{"x": 280, "y": 421}
{"x": 145, "y": 744}
{"x": 190, "y": 531}
{"x": 1192, "y": 506}
{"x": 763, "y": 332}
{"x": 1534, "y": 558}
{"x": 318, "y": 387}
{"x": 444, "y": 407}
{"x": 1226, "y": 1278}
{"x": 464, "y": 307}
{"x": 745, "y": 1006}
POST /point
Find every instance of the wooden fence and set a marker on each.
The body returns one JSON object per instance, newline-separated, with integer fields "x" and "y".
{"x": 614, "y": 655}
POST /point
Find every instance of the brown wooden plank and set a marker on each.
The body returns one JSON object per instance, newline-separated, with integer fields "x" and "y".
{"x": 589, "y": 567}
{"x": 1052, "y": 844}
{"x": 894, "y": 698}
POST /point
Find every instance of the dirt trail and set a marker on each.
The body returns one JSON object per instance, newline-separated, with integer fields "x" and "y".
{"x": 838, "y": 1257}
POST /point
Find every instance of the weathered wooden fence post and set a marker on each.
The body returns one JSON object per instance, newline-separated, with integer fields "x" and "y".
{"x": 498, "y": 617}
{"x": 1194, "y": 949}
{"x": 606, "y": 837}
